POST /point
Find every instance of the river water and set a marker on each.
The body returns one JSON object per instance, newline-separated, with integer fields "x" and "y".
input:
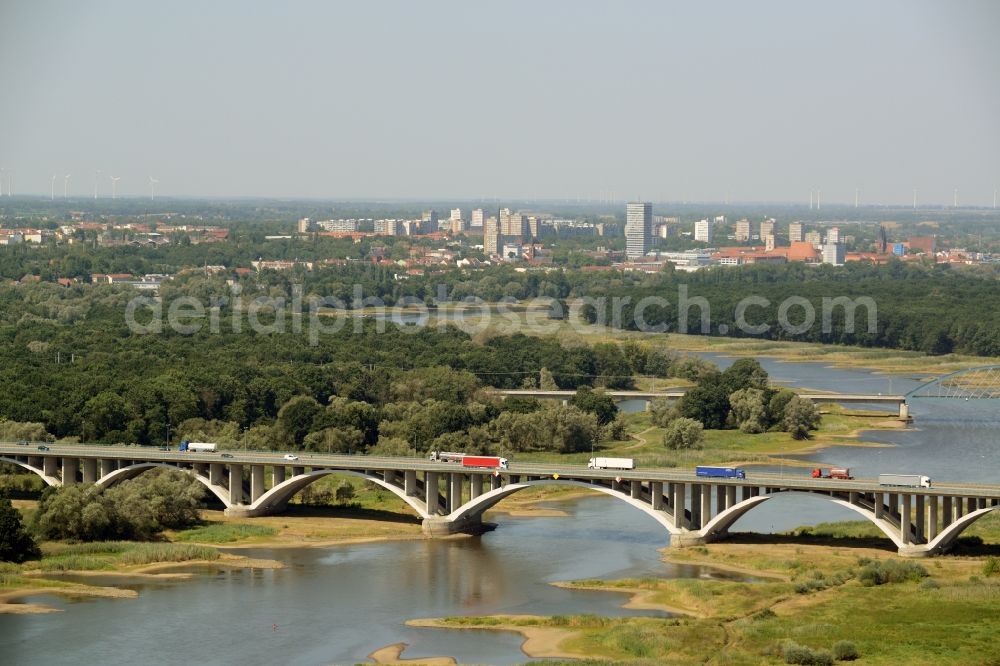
{"x": 336, "y": 605}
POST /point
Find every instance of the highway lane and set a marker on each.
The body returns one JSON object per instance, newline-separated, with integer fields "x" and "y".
{"x": 581, "y": 472}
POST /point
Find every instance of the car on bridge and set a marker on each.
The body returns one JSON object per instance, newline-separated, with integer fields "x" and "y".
{"x": 42, "y": 447}
{"x": 289, "y": 456}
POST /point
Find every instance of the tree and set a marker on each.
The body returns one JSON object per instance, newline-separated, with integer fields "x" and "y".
{"x": 596, "y": 402}
{"x": 345, "y": 492}
{"x": 16, "y": 545}
{"x": 663, "y": 411}
{"x": 749, "y": 410}
{"x": 744, "y": 373}
{"x": 801, "y": 416}
{"x": 295, "y": 419}
{"x": 683, "y": 433}
{"x": 707, "y": 403}
{"x": 335, "y": 440}
{"x": 546, "y": 381}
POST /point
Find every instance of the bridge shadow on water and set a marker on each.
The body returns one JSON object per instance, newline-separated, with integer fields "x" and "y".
{"x": 971, "y": 546}
{"x": 354, "y": 511}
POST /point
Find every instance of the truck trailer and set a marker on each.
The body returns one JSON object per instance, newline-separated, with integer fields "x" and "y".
{"x": 611, "y": 463}
{"x": 492, "y": 462}
{"x": 905, "y": 480}
{"x": 447, "y": 456}
{"x": 834, "y": 473}
{"x": 722, "y": 472}
{"x": 198, "y": 447}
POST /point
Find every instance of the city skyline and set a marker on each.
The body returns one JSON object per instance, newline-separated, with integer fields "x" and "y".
{"x": 785, "y": 103}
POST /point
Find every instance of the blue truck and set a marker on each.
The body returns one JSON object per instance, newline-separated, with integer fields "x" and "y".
{"x": 721, "y": 472}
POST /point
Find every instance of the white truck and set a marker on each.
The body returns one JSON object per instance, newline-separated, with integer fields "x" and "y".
{"x": 611, "y": 463}
{"x": 198, "y": 447}
{"x": 905, "y": 480}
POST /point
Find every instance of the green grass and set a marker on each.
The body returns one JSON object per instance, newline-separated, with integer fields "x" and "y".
{"x": 111, "y": 555}
{"x": 223, "y": 533}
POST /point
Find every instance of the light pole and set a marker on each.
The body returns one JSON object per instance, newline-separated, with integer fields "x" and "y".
{"x": 245, "y": 440}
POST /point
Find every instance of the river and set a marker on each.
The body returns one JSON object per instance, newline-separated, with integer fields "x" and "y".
{"x": 336, "y": 605}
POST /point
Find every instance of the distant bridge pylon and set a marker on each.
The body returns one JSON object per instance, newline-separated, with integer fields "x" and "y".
{"x": 982, "y": 383}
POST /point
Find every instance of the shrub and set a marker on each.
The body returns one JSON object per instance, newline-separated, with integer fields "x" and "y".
{"x": 794, "y": 653}
{"x": 845, "y": 651}
{"x": 890, "y": 571}
{"x": 683, "y": 433}
{"x": 991, "y": 567}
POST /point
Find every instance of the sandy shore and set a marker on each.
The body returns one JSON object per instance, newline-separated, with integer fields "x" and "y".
{"x": 392, "y": 654}
{"x": 64, "y": 590}
{"x": 539, "y": 642}
{"x": 157, "y": 571}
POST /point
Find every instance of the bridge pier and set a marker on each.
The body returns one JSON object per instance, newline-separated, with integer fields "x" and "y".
{"x": 439, "y": 526}
{"x": 69, "y": 469}
{"x": 90, "y": 470}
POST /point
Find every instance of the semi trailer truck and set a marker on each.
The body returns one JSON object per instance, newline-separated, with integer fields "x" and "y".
{"x": 611, "y": 463}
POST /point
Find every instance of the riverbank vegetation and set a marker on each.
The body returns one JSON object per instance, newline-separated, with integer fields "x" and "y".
{"x": 798, "y": 603}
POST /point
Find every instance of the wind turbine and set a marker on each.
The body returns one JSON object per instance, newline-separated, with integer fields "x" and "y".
{"x": 52, "y": 190}
{"x": 1, "y": 180}
{"x": 954, "y": 201}
{"x": 96, "y": 175}
{"x": 152, "y": 182}
{"x": 857, "y": 194}
{"x": 914, "y": 198}
{"x": 66, "y": 183}
{"x": 817, "y": 198}
{"x": 114, "y": 186}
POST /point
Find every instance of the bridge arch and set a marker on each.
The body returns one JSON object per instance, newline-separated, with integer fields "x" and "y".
{"x": 724, "y": 520}
{"x": 49, "y": 480}
{"x": 125, "y": 473}
{"x": 474, "y": 509}
{"x": 947, "y": 537}
{"x": 277, "y": 497}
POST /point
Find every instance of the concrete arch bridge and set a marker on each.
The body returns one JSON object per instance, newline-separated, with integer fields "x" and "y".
{"x": 451, "y": 499}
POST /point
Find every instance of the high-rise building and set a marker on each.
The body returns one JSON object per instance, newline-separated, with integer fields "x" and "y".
{"x": 478, "y": 217}
{"x": 767, "y": 228}
{"x": 638, "y": 229}
{"x": 305, "y": 225}
{"x": 814, "y": 238}
{"x": 703, "y": 231}
{"x": 457, "y": 224}
{"x": 387, "y": 227}
{"x": 456, "y": 214}
{"x": 742, "y": 231}
{"x": 430, "y": 219}
{"x": 533, "y": 227}
{"x": 769, "y": 243}
{"x": 833, "y": 235}
{"x": 833, "y": 253}
{"x": 492, "y": 243}
{"x": 795, "y": 232}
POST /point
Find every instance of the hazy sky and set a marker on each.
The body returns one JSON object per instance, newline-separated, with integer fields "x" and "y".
{"x": 757, "y": 101}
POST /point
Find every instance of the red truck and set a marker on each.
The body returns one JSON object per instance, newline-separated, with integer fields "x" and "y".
{"x": 493, "y": 462}
{"x": 835, "y": 473}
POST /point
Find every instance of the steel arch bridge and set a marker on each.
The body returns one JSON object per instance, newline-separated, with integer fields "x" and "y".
{"x": 981, "y": 383}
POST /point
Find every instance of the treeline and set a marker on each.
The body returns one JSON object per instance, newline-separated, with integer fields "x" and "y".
{"x": 71, "y": 367}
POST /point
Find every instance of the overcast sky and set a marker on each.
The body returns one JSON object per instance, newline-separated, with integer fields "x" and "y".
{"x": 750, "y": 101}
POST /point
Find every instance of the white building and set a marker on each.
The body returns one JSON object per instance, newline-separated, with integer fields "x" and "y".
{"x": 833, "y": 235}
{"x": 767, "y": 228}
{"x": 338, "y": 225}
{"x": 833, "y": 253}
{"x": 795, "y": 232}
{"x": 703, "y": 231}
{"x": 478, "y": 217}
{"x": 742, "y": 231}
